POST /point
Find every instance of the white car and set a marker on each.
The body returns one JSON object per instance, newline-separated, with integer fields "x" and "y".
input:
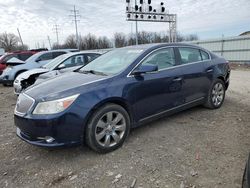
{"x": 35, "y": 61}
{"x": 64, "y": 63}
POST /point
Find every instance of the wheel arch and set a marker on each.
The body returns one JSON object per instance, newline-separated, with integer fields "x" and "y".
{"x": 19, "y": 72}
{"x": 114, "y": 100}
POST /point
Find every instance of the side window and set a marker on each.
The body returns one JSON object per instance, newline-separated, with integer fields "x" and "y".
{"x": 46, "y": 56}
{"x": 163, "y": 58}
{"x": 204, "y": 55}
{"x": 24, "y": 57}
{"x": 77, "y": 60}
{"x": 189, "y": 55}
{"x": 91, "y": 57}
{"x": 56, "y": 54}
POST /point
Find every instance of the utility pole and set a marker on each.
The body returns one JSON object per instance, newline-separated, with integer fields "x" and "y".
{"x": 56, "y": 29}
{"x": 76, "y": 15}
{"x": 49, "y": 42}
{"x": 136, "y": 28}
{"x": 20, "y": 36}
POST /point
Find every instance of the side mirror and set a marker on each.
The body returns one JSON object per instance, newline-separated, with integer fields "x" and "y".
{"x": 61, "y": 66}
{"x": 145, "y": 69}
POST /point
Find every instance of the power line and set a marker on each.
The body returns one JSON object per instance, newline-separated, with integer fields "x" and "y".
{"x": 56, "y": 30}
{"x": 76, "y": 15}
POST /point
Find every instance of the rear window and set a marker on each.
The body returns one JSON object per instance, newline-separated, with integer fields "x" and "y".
{"x": 56, "y": 54}
{"x": 189, "y": 55}
{"x": 46, "y": 56}
{"x": 24, "y": 56}
{"x": 204, "y": 55}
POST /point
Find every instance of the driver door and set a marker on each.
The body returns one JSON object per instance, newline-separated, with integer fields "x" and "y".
{"x": 156, "y": 92}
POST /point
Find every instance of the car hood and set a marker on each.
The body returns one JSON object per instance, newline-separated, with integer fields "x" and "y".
{"x": 27, "y": 74}
{"x": 62, "y": 85}
{"x": 14, "y": 61}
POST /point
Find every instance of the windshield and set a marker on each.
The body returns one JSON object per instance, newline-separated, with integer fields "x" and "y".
{"x": 112, "y": 62}
{"x": 55, "y": 62}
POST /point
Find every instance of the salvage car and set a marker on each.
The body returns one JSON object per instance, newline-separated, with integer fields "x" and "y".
{"x": 61, "y": 64}
{"x": 120, "y": 90}
{"x": 21, "y": 55}
{"x": 37, "y": 60}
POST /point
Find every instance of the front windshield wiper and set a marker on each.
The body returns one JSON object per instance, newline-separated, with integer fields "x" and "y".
{"x": 92, "y": 72}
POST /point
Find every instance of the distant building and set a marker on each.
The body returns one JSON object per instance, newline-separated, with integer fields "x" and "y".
{"x": 245, "y": 33}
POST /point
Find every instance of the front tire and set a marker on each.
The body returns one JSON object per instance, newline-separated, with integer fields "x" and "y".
{"x": 216, "y": 95}
{"x": 108, "y": 128}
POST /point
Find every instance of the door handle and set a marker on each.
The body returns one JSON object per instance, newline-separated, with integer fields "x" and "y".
{"x": 177, "y": 79}
{"x": 210, "y": 70}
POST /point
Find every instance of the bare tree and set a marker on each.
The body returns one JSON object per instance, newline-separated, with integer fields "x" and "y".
{"x": 70, "y": 42}
{"x": 90, "y": 42}
{"x": 120, "y": 40}
{"x": 22, "y": 47}
{"x": 9, "y": 42}
{"x": 104, "y": 42}
{"x": 191, "y": 37}
{"x": 144, "y": 37}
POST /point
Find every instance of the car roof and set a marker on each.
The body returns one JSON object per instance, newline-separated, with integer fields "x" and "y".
{"x": 81, "y": 52}
{"x": 155, "y": 45}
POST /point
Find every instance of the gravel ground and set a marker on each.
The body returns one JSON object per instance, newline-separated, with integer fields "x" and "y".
{"x": 195, "y": 148}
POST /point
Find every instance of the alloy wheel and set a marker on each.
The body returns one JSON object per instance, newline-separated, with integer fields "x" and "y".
{"x": 218, "y": 94}
{"x": 110, "y": 129}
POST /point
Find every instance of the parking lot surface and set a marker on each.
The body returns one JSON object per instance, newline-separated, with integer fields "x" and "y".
{"x": 195, "y": 148}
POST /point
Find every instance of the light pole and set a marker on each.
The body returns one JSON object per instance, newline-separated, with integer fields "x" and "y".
{"x": 145, "y": 12}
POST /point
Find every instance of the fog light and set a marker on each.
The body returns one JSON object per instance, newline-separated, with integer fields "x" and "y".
{"x": 49, "y": 139}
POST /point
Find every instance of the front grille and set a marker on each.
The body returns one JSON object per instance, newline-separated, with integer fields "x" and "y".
{"x": 24, "y": 103}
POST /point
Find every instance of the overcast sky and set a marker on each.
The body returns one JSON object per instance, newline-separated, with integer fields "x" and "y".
{"x": 35, "y": 18}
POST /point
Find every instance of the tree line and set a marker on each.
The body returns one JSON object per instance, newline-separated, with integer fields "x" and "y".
{"x": 11, "y": 42}
{"x": 90, "y": 41}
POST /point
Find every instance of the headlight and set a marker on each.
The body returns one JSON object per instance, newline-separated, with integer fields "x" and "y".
{"x": 56, "y": 106}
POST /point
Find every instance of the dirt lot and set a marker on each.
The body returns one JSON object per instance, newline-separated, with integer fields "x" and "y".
{"x": 195, "y": 148}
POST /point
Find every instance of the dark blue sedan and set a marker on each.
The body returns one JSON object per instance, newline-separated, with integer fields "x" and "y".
{"x": 124, "y": 88}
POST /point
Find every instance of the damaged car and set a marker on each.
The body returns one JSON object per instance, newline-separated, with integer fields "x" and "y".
{"x": 64, "y": 63}
{"x": 18, "y": 55}
{"x": 35, "y": 61}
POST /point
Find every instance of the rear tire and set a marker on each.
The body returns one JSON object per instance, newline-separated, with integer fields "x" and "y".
{"x": 107, "y": 128}
{"x": 216, "y": 95}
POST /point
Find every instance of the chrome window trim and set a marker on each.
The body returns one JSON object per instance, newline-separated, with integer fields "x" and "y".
{"x": 22, "y": 114}
{"x": 175, "y": 66}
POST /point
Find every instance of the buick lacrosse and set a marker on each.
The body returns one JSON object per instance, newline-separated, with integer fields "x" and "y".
{"x": 99, "y": 103}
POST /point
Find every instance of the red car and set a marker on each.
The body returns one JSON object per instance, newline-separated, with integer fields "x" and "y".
{"x": 22, "y": 55}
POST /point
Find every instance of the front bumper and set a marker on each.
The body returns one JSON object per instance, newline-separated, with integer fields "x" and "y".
{"x": 65, "y": 130}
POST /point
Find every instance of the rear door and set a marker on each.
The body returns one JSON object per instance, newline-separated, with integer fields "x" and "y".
{"x": 195, "y": 82}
